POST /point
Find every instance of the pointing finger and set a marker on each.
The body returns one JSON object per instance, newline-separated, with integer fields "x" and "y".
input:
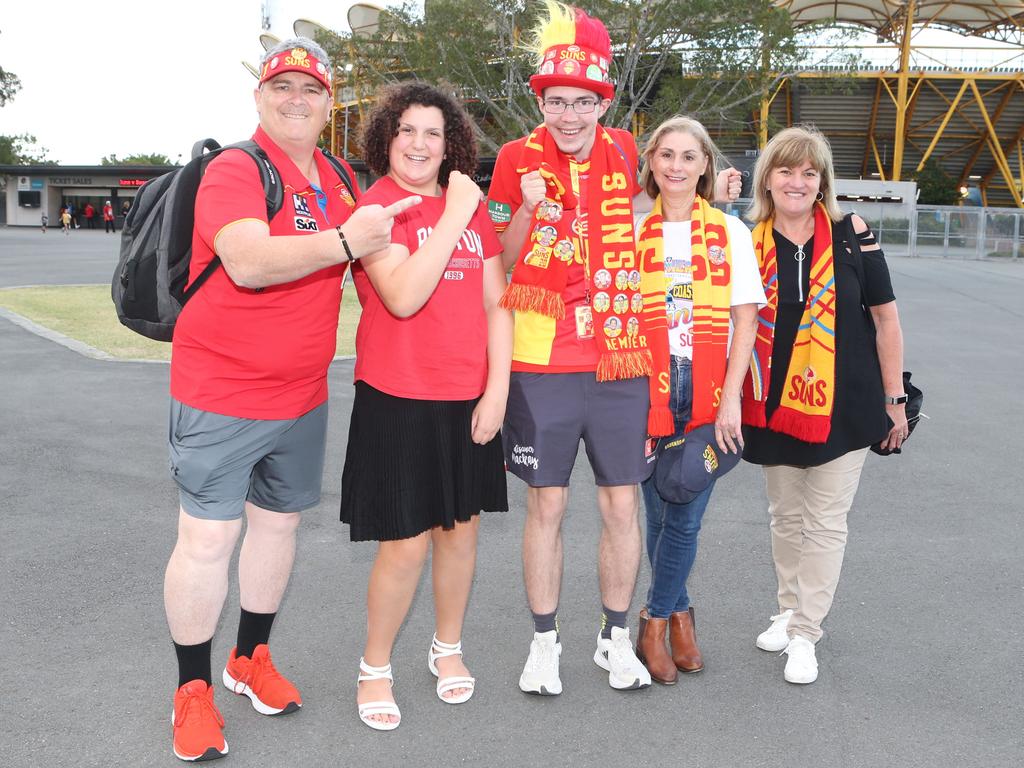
{"x": 403, "y": 205}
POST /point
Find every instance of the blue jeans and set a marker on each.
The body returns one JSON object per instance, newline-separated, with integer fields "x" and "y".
{"x": 672, "y": 529}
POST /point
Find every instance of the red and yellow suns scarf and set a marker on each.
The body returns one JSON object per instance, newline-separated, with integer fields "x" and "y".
{"x": 805, "y": 410}
{"x": 711, "y": 260}
{"x": 617, "y": 276}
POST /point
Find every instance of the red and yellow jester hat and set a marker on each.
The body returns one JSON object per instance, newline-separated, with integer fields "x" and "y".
{"x": 298, "y": 59}
{"x": 573, "y": 49}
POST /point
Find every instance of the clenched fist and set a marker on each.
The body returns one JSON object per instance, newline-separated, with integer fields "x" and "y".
{"x": 534, "y": 189}
{"x": 463, "y": 195}
{"x": 728, "y": 185}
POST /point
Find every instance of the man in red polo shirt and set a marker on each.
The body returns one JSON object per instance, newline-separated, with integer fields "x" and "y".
{"x": 249, "y": 387}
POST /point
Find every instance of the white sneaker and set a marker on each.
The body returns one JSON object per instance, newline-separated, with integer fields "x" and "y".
{"x": 775, "y": 638}
{"x": 616, "y": 657}
{"x": 540, "y": 675}
{"x": 801, "y": 667}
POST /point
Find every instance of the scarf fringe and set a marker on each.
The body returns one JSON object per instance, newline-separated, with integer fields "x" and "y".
{"x": 660, "y": 422}
{"x": 533, "y": 298}
{"x": 624, "y": 364}
{"x": 802, "y": 426}
{"x": 753, "y": 412}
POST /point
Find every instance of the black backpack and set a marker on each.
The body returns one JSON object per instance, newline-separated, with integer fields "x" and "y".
{"x": 150, "y": 284}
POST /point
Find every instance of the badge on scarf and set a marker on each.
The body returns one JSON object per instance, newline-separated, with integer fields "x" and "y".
{"x": 539, "y": 256}
{"x": 549, "y": 210}
{"x": 565, "y": 250}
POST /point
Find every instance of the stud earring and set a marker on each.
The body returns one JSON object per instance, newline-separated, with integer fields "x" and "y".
{"x": 819, "y": 197}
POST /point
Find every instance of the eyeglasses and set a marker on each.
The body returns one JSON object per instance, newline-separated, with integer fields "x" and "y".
{"x": 580, "y": 106}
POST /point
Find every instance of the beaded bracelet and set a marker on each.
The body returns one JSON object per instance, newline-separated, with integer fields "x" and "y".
{"x": 344, "y": 242}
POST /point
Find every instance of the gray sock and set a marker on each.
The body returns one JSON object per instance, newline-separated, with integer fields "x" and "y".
{"x": 609, "y": 619}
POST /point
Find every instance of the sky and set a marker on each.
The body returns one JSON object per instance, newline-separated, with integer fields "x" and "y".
{"x": 134, "y": 78}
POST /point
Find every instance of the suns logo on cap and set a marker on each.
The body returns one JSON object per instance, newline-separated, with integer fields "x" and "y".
{"x": 298, "y": 58}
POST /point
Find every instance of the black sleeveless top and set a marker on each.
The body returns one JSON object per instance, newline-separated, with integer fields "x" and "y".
{"x": 858, "y": 411}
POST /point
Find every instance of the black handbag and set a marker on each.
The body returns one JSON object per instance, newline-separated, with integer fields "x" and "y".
{"x": 915, "y": 397}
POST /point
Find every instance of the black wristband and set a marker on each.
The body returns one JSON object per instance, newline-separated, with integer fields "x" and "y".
{"x": 344, "y": 242}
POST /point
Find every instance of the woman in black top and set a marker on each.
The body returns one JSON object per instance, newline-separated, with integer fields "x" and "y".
{"x": 822, "y": 379}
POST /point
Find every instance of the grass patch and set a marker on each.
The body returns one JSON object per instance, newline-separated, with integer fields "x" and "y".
{"x": 85, "y": 313}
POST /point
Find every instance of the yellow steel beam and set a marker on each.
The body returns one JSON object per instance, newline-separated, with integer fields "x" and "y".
{"x": 901, "y": 92}
{"x": 1009, "y": 148}
{"x": 886, "y": 73}
{"x": 942, "y": 126}
{"x": 981, "y": 144}
{"x": 878, "y": 160}
{"x": 871, "y": 128}
{"x": 997, "y": 149}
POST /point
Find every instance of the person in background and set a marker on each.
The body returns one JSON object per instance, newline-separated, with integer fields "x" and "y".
{"x": 90, "y": 216}
{"x": 821, "y": 380}
{"x": 108, "y": 217}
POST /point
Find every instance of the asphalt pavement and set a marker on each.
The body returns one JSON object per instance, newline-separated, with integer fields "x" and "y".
{"x": 920, "y": 664}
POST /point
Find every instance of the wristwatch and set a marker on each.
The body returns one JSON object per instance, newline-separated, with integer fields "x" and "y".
{"x": 897, "y": 400}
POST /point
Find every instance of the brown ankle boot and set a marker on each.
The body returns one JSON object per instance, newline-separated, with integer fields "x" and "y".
{"x": 650, "y": 649}
{"x": 683, "y": 637}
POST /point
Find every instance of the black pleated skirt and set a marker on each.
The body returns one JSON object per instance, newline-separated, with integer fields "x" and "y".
{"x": 411, "y": 465}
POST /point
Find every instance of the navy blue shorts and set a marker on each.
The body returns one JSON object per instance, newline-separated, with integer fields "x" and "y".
{"x": 549, "y": 413}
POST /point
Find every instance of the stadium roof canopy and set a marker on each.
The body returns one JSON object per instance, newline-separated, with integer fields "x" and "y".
{"x": 1000, "y": 19}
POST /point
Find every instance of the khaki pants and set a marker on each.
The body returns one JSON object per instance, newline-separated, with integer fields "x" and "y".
{"x": 808, "y": 507}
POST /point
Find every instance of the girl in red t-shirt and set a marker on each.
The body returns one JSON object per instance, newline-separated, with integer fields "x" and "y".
{"x": 433, "y": 352}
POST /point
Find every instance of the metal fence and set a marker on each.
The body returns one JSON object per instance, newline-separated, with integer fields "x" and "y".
{"x": 940, "y": 231}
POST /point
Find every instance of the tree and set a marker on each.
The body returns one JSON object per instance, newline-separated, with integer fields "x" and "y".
{"x": 22, "y": 150}
{"x": 19, "y": 149}
{"x": 10, "y": 84}
{"x": 935, "y": 186}
{"x": 151, "y": 159}
{"x": 732, "y": 53}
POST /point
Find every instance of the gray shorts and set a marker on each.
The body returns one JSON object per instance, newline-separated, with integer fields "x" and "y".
{"x": 220, "y": 462}
{"x": 548, "y": 414}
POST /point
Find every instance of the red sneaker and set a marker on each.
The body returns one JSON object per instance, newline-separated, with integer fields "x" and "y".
{"x": 269, "y": 692}
{"x": 198, "y": 725}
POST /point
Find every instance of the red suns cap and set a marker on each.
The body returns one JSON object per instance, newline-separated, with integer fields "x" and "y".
{"x": 297, "y": 60}
{"x": 576, "y": 54}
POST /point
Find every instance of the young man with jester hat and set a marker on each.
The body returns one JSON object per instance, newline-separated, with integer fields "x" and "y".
{"x": 586, "y": 307}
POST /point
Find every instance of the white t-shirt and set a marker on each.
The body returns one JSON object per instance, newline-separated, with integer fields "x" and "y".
{"x": 745, "y": 278}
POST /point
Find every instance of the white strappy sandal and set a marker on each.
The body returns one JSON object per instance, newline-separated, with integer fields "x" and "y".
{"x": 439, "y": 650}
{"x": 371, "y": 708}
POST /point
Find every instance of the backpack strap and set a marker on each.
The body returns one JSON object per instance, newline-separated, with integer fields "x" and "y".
{"x": 273, "y": 192}
{"x": 342, "y": 171}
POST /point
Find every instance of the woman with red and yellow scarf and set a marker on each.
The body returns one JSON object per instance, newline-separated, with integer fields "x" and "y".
{"x": 710, "y": 276}
{"x": 819, "y": 378}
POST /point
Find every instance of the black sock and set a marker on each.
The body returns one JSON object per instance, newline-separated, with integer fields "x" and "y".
{"x": 194, "y": 662}
{"x": 253, "y": 629}
{"x": 609, "y": 619}
{"x": 545, "y": 622}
